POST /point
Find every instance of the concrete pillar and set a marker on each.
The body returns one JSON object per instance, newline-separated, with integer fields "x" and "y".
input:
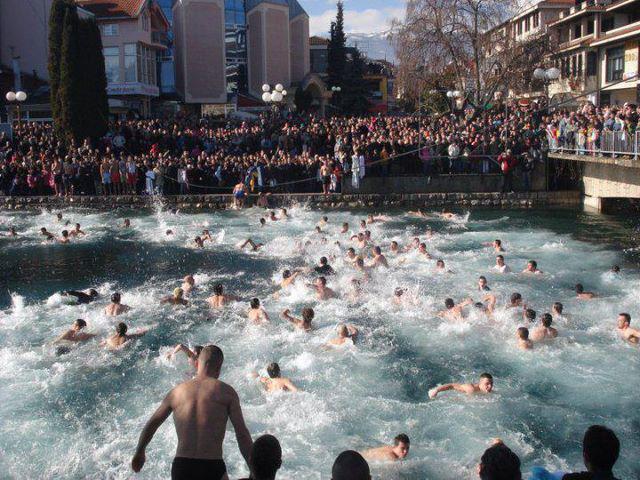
{"x": 592, "y": 203}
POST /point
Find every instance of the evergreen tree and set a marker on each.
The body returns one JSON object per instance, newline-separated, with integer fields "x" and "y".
{"x": 93, "y": 106}
{"x": 336, "y": 50}
{"x": 354, "y": 94}
{"x": 69, "y": 88}
{"x": 56, "y": 20}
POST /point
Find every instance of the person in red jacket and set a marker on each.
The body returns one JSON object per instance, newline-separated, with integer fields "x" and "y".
{"x": 507, "y": 163}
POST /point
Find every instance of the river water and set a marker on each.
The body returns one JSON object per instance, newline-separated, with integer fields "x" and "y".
{"x": 79, "y": 415}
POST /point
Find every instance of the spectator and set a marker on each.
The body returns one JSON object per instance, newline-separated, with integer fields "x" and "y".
{"x": 600, "y": 450}
{"x": 265, "y": 459}
{"x": 498, "y": 462}
{"x": 350, "y": 465}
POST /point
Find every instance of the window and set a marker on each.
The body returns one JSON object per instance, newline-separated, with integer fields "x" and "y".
{"x": 526, "y": 24}
{"x": 589, "y": 27}
{"x": 573, "y": 65}
{"x": 112, "y": 64}
{"x": 519, "y": 28}
{"x": 144, "y": 19}
{"x": 110, "y": 30}
{"x": 579, "y": 64}
{"x": 536, "y": 20}
{"x": 130, "y": 63}
{"x": 608, "y": 24}
{"x": 577, "y": 30}
{"x": 592, "y": 63}
{"x": 615, "y": 64}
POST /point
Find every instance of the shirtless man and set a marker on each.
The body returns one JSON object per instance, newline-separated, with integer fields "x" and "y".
{"x": 496, "y": 245}
{"x": 581, "y": 294}
{"x": 75, "y": 333}
{"x": 488, "y": 305}
{"x": 322, "y": 291}
{"x": 65, "y": 237}
{"x": 256, "y": 313}
{"x": 12, "y": 232}
{"x": 485, "y": 385}
{"x": 81, "y": 297}
{"x": 389, "y": 453}
{"x": 303, "y": 323}
{"x": 379, "y": 260}
{"x": 274, "y": 382}
{"x": 515, "y": 301}
{"x": 115, "y": 307}
{"x": 176, "y": 299}
{"x": 345, "y": 228}
{"x": 376, "y": 219}
{"x": 126, "y": 223}
{"x": 198, "y": 242}
{"x": 545, "y": 330}
{"x": 76, "y": 231}
{"x": 394, "y": 248}
{"x": 272, "y": 216}
{"x": 188, "y": 284}
{"x": 360, "y": 239}
{"x": 263, "y": 222}
{"x": 192, "y": 355}
{"x": 219, "y": 299}
{"x": 522, "y": 335}
{"x": 201, "y": 408}
{"x": 500, "y": 266}
{"x": 453, "y": 311}
{"x": 441, "y": 268}
{"x": 397, "y": 296}
{"x": 351, "y": 256}
{"x": 422, "y": 250}
{"x": 532, "y": 267}
{"x": 346, "y": 333}
{"x": 631, "y": 335}
{"x": 120, "y": 338}
{"x": 482, "y": 284}
{"x": 283, "y": 213}
{"x": 557, "y": 309}
{"x": 415, "y": 243}
{"x": 254, "y": 246}
{"x": 239, "y": 195}
{"x": 288, "y": 277}
{"x": 206, "y": 236}
{"x": 323, "y": 221}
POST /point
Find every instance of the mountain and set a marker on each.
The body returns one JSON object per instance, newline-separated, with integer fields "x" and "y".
{"x": 375, "y": 46}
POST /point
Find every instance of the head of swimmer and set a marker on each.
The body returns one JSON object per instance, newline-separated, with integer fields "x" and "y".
{"x": 307, "y": 315}
{"x": 401, "y": 445}
{"x": 79, "y": 324}
{"x": 255, "y": 303}
{"x": 209, "y": 361}
{"x": 624, "y": 320}
{"x": 273, "y": 369}
{"x": 218, "y": 289}
{"x": 486, "y": 383}
{"x": 121, "y": 329}
{"x": 116, "y": 297}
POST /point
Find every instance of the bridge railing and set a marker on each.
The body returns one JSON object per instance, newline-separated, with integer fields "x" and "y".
{"x": 608, "y": 143}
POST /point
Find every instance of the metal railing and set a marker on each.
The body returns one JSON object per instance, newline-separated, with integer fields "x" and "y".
{"x": 606, "y": 143}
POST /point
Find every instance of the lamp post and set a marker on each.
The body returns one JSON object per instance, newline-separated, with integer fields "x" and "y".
{"x": 547, "y": 76}
{"x": 273, "y": 97}
{"x": 17, "y": 98}
{"x": 335, "y": 91}
{"x": 453, "y": 95}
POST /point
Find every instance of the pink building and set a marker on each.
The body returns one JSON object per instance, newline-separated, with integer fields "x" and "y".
{"x": 134, "y": 33}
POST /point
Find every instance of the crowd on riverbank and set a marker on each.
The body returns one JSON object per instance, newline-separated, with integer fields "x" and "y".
{"x": 185, "y": 155}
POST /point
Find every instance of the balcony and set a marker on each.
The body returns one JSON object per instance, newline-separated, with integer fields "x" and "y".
{"x": 160, "y": 37}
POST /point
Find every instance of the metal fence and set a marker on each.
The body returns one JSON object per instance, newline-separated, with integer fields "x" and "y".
{"x": 607, "y": 143}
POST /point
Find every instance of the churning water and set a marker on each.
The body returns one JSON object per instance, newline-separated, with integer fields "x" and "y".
{"x": 79, "y": 415}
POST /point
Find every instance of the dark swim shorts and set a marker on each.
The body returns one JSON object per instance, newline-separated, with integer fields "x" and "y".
{"x": 197, "y": 469}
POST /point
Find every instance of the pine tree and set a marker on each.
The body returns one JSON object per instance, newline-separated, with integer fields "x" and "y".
{"x": 92, "y": 95}
{"x": 56, "y": 20}
{"x": 336, "y": 50}
{"x": 354, "y": 99}
{"x": 69, "y": 96}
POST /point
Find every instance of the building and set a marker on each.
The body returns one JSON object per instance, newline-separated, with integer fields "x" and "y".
{"x": 134, "y": 37}
{"x": 166, "y": 64}
{"x": 598, "y": 53}
{"x": 318, "y": 55}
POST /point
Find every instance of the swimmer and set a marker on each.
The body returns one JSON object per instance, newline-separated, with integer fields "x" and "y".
{"x": 544, "y": 331}
{"x": 615, "y": 269}
{"x": 188, "y": 284}
{"x": 219, "y": 299}
{"x": 303, "y": 323}
{"x": 485, "y": 385}
{"x": 389, "y": 453}
{"x": 257, "y": 314}
{"x": 379, "y": 260}
{"x": 48, "y": 235}
{"x": 323, "y": 221}
{"x": 532, "y": 267}
{"x": 415, "y": 243}
{"x": 322, "y": 291}
{"x": 65, "y": 237}
{"x": 198, "y": 242}
{"x": 115, "y": 307}
{"x": 272, "y": 217}
{"x": 76, "y": 232}
{"x": 496, "y": 245}
{"x": 377, "y": 219}
{"x": 121, "y": 338}
{"x": 288, "y": 277}
{"x": 169, "y": 232}
{"x": 263, "y": 222}
{"x": 355, "y": 290}
{"x": 482, "y": 284}
{"x": 631, "y": 335}
{"x": 81, "y": 297}
{"x": 75, "y": 333}
{"x": 440, "y": 267}
{"x": 324, "y": 268}
{"x": 394, "y": 248}
{"x": 254, "y": 246}
{"x": 59, "y": 217}
{"x": 351, "y": 256}
{"x": 523, "y": 339}
{"x": 581, "y": 294}
{"x": 262, "y": 201}
{"x": 397, "y": 296}
{"x": 206, "y": 235}
{"x": 275, "y": 382}
{"x": 11, "y": 232}
{"x": 192, "y": 355}
{"x": 360, "y": 239}
{"x": 345, "y": 228}
{"x": 126, "y": 223}
{"x": 239, "y": 195}
{"x": 500, "y": 266}
{"x": 422, "y": 250}
{"x": 556, "y": 310}
{"x": 515, "y": 301}
{"x": 453, "y": 311}
{"x": 361, "y": 267}
{"x": 418, "y": 213}
{"x": 363, "y": 224}
{"x": 487, "y": 306}
{"x": 447, "y": 215}
{"x": 318, "y": 230}
{"x": 176, "y": 299}
{"x": 284, "y": 213}
{"x": 347, "y": 334}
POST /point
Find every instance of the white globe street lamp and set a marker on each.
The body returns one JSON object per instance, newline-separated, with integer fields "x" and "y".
{"x": 17, "y": 97}
{"x": 279, "y": 87}
{"x": 10, "y": 96}
{"x": 266, "y": 97}
{"x": 21, "y": 96}
{"x": 266, "y": 88}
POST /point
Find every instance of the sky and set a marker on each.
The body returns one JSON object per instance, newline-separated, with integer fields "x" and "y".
{"x": 360, "y": 16}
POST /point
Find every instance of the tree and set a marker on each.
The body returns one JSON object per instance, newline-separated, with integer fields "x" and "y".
{"x": 94, "y": 108}
{"x": 336, "y": 50}
{"x": 354, "y": 94}
{"x": 56, "y": 20}
{"x": 303, "y": 100}
{"x": 69, "y": 89}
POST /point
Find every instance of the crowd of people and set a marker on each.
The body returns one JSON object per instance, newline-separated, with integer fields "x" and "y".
{"x": 202, "y": 405}
{"x": 188, "y": 155}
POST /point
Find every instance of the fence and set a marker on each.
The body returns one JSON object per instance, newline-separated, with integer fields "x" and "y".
{"x": 606, "y": 143}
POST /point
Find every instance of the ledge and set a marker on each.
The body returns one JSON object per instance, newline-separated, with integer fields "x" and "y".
{"x": 626, "y": 161}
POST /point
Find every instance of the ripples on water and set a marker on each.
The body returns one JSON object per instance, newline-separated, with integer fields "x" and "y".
{"x": 79, "y": 416}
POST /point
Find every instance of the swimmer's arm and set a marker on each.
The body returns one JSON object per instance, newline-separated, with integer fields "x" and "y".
{"x": 287, "y": 316}
{"x": 290, "y": 386}
{"x": 491, "y": 299}
{"x": 265, "y": 315}
{"x": 353, "y": 332}
{"x": 458, "y": 387}
{"x": 149, "y": 430}
{"x": 243, "y": 437}
{"x": 139, "y": 334}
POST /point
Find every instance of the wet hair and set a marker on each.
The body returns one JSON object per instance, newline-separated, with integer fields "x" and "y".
{"x": 343, "y": 330}
{"x": 350, "y": 465}
{"x": 523, "y": 333}
{"x": 500, "y": 257}
{"x": 533, "y": 263}
{"x": 440, "y": 262}
{"x": 398, "y": 292}
{"x": 307, "y": 314}
{"x": 423, "y": 245}
{"x": 345, "y": 225}
{"x": 255, "y": 303}
{"x": 579, "y": 288}
{"x": 323, "y": 260}
{"x": 488, "y": 376}
{"x": 322, "y": 280}
{"x": 558, "y": 307}
{"x": 273, "y": 369}
{"x": 600, "y": 448}
{"x": 266, "y": 457}
{"x": 169, "y": 232}
{"x": 197, "y": 349}
{"x": 325, "y": 218}
{"x": 65, "y": 233}
{"x": 367, "y": 233}
{"x": 394, "y": 243}
{"x": 499, "y": 463}
{"x": 626, "y": 316}
{"x": 286, "y": 273}
{"x": 93, "y": 292}
{"x": 80, "y": 323}
{"x": 615, "y": 269}
{"x": 530, "y": 313}
{"x": 515, "y": 297}
{"x": 42, "y": 230}
{"x": 115, "y": 297}
{"x": 377, "y": 250}
{"x": 498, "y": 242}
{"x": 318, "y": 229}
{"x": 482, "y": 277}
{"x": 401, "y": 438}
{"x": 546, "y": 320}
{"x": 479, "y": 305}
{"x": 218, "y": 289}
{"x": 121, "y": 329}
{"x": 211, "y": 355}
{"x": 449, "y": 303}
{"x": 263, "y": 221}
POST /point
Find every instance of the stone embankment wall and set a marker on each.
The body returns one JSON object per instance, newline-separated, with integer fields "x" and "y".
{"x": 336, "y": 201}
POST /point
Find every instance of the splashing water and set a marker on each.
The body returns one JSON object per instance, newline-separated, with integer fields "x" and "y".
{"x": 79, "y": 415}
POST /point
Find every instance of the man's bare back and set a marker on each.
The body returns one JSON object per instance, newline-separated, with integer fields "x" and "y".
{"x": 380, "y": 454}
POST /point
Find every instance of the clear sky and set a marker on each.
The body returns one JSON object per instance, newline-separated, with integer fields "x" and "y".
{"x": 360, "y": 16}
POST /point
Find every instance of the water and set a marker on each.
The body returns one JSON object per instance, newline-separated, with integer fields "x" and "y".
{"x": 79, "y": 416}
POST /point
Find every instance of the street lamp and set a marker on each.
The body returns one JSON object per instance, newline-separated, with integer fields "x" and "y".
{"x": 452, "y": 95}
{"x": 274, "y": 97}
{"x": 547, "y": 76}
{"x": 17, "y": 97}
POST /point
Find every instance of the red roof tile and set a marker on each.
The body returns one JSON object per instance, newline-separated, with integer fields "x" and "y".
{"x": 112, "y": 8}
